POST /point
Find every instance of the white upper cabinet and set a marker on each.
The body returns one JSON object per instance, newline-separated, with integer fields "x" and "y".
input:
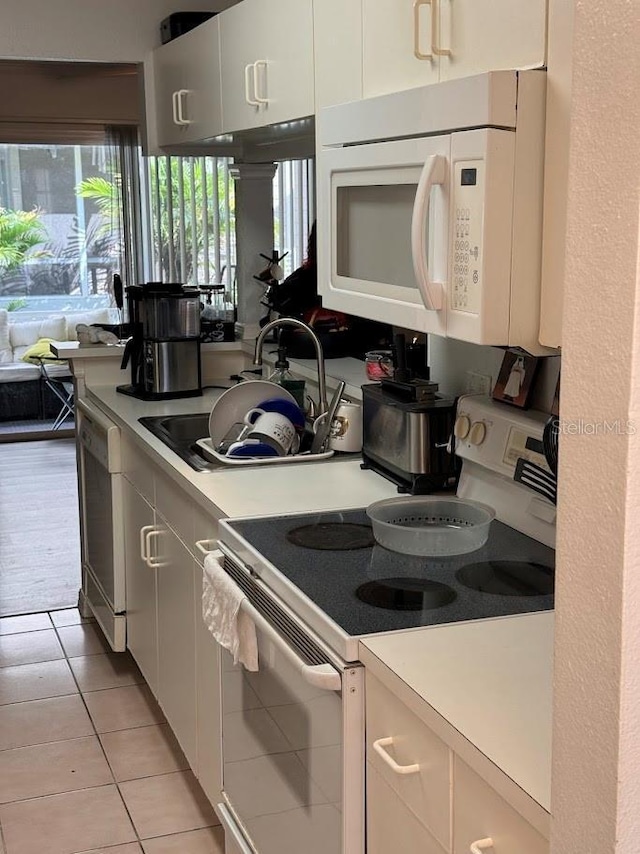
{"x": 267, "y": 63}
{"x": 483, "y": 35}
{"x": 397, "y": 45}
{"x": 187, "y": 86}
{"x": 407, "y": 43}
{"x": 337, "y": 37}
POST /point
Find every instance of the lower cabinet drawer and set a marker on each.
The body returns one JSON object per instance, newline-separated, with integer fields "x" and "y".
{"x": 412, "y": 760}
{"x": 391, "y": 826}
{"x": 479, "y": 813}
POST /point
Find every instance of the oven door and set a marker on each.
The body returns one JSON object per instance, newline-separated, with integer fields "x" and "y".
{"x": 292, "y": 736}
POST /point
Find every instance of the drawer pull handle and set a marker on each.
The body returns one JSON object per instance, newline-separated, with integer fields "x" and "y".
{"x": 481, "y": 845}
{"x": 379, "y": 747}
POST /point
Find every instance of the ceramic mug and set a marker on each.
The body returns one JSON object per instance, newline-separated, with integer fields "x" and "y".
{"x": 346, "y": 428}
{"x": 273, "y": 429}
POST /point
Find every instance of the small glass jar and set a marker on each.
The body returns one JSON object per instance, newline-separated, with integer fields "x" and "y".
{"x": 379, "y": 364}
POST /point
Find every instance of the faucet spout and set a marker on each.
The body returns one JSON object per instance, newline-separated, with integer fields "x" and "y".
{"x": 293, "y": 321}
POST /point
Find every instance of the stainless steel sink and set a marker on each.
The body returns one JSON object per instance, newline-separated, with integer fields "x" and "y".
{"x": 180, "y": 433}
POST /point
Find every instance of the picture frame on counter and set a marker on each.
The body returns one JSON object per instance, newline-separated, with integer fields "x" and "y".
{"x": 515, "y": 379}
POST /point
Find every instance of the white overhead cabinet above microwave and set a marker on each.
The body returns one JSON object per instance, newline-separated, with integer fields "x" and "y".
{"x": 383, "y": 46}
{"x": 430, "y": 208}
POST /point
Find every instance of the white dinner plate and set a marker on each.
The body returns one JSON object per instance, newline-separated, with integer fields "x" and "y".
{"x": 235, "y": 402}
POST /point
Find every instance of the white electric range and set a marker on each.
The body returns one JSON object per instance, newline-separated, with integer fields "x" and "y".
{"x": 315, "y": 585}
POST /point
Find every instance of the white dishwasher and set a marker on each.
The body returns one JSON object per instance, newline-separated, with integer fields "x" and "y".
{"x": 102, "y": 522}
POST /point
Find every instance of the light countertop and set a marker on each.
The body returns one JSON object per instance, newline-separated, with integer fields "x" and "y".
{"x": 491, "y": 680}
{"x": 250, "y": 491}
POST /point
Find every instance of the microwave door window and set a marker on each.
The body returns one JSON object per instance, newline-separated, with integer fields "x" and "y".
{"x": 373, "y": 235}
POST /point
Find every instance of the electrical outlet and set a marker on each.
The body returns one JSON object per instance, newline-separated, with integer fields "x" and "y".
{"x": 478, "y": 383}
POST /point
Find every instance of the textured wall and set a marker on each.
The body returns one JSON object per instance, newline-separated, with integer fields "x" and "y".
{"x": 89, "y": 30}
{"x": 595, "y": 798}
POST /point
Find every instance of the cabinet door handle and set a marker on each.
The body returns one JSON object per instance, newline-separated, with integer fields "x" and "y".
{"x": 435, "y": 30}
{"x": 260, "y": 63}
{"x": 144, "y": 543}
{"x": 181, "y": 118}
{"x": 152, "y": 562}
{"x": 249, "y": 77}
{"x": 174, "y": 105}
{"x": 481, "y": 845}
{"x": 379, "y": 747}
{"x": 434, "y": 172}
{"x": 417, "y": 4}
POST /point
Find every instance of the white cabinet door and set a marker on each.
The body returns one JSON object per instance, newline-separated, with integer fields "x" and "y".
{"x": 176, "y": 640}
{"x": 337, "y": 50}
{"x": 169, "y": 76}
{"x": 407, "y": 43}
{"x": 267, "y": 62}
{"x": 484, "y": 35}
{"x": 200, "y": 101}
{"x": 480, "y": 813}
{"x": 397, "y": 43}
{"x": 208, "y": 703}
{"x": 187, "y": 86}
{"x": 391, "y": 826}
{"x": 140, "y": 550}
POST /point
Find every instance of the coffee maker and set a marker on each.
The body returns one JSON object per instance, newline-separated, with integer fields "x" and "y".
{"x": 164, "y": 347}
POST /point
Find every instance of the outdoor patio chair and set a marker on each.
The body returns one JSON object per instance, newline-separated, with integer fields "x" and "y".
{"x": 61, "y": 387}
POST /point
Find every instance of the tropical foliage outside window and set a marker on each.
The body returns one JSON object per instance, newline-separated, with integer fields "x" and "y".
{"x": 56, "y": 236}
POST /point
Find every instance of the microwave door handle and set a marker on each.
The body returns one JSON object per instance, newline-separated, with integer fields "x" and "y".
{"x": 433, "y": 173}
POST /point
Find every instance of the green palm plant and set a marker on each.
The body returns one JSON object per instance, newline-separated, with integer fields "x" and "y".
{"x": 20, "y": 233}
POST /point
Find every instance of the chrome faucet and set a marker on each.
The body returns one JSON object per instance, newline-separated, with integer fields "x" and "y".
{"x": 293, "y": 321}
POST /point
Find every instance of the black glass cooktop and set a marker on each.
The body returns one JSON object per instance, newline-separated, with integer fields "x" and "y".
{"x": 334, "y": 560}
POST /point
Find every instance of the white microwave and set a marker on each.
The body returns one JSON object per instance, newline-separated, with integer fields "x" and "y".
{"x": 430, "y": 208}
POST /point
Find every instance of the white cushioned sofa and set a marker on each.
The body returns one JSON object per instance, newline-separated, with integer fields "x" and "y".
{"x": 22, "y": 395}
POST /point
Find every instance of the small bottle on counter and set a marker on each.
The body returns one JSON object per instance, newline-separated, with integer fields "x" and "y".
{"x": 283, "y": 376}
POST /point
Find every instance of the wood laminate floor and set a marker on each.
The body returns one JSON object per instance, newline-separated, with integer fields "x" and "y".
{"x": 39, "y": 528}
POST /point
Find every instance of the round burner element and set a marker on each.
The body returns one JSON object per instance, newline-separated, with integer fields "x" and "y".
{"x": 508, "y": 578}
{"x": 332, "y": 536}
{"x": 405, "y": 594}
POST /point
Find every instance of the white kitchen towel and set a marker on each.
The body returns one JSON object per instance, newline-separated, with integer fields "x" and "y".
{"x": 231, "y": 627}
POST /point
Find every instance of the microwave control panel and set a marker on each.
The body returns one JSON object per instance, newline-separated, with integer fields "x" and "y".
{"x": 468, "y": 209}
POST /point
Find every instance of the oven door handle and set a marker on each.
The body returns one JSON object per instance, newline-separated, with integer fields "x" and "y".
{"x": 322, "y": 676}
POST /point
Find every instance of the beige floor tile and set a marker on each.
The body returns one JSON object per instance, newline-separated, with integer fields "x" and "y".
{"x": 40, "y": 721}
{"x": 123, "y": 708}
{"x": 28, "y": 623}
{"x": 111, "y": 670}
{"x": 35, "y": 681}
{"x": 83, "y": 639}
{"x": 172, "y": 803}
{"x": 143, "y": 752}
{"x": 64, "y": 824}
{"x": 130, "y": 848}
{"x": 68, "y": 617}
{"x": 48, "y": 769}
{"x": 29, "y": 648}
{"x": 210, "y": 840}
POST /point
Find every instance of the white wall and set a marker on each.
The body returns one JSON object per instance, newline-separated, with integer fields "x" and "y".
{"x": 87, "y": 30}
